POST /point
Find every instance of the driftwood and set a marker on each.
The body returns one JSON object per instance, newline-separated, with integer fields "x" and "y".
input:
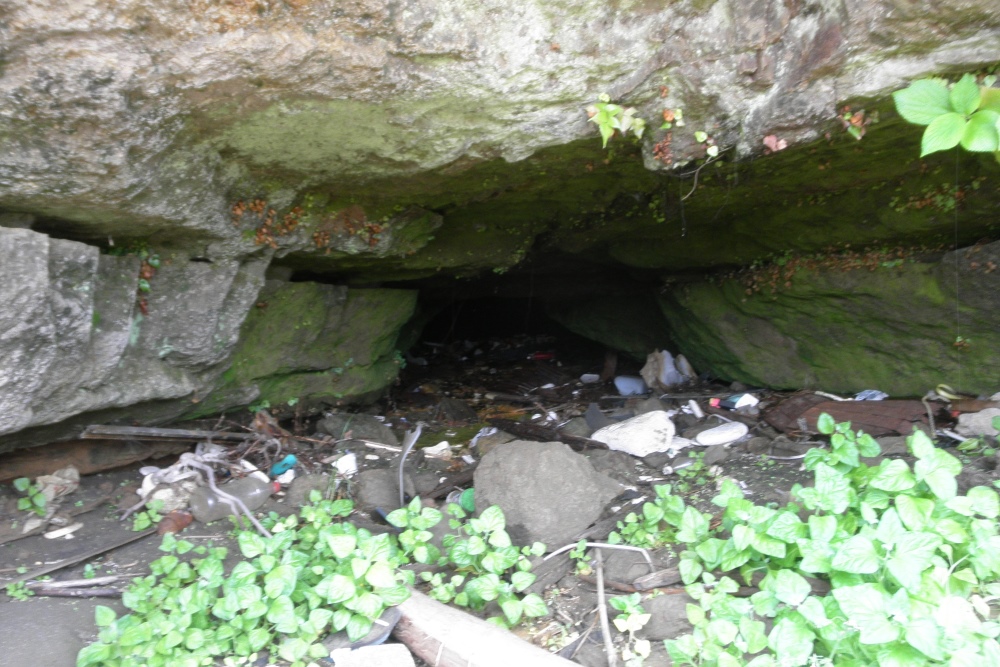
{"x": 876, "y": 418}
{"x": 545, "y": 434}
{"x": 446, "y": 637}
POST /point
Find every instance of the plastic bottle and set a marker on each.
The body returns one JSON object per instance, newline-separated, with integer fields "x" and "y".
{"x": 206, "y": 506}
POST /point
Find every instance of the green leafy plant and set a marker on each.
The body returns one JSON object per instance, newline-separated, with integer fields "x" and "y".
{"x": 19, "y": 591}
{"x": 488, "y": 568}
{"x": 149, "y": 517}
{"x": 34, "y": 500}
{"x": 610, "y": 117}
{"x": 964, "y": 113}
{"x": 631, "y": 619}
{"x": 313, "y": 576}
{"x": 262, "y": 404}
{"x": 317, "y": 574}
{"x": 912, "y": 567}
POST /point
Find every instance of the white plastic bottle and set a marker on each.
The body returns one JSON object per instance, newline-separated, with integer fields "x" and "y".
{"x": 207, "y": 506}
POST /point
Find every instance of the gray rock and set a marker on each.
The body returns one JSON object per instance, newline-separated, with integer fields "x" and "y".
{"x": 301, "y": 487}
{"x": 893, "y": 445}
{"x": 971, "y": 424}
{"x": 596, "y": 419}
{"x": 669, "y": 617}
{"x": 380, "y": 488}
{"x": 715, "y": 454}
{"x": 616, "y": 465}
{"x": 577, "y": 426}
{"x": 357, "y": 426}
{"x": 548, "y": 492}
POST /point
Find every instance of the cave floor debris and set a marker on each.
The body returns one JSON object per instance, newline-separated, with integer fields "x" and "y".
{"x": 465, "y": 400}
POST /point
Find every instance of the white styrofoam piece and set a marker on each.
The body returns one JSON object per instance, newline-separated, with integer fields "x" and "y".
{"x": 639, "y": 436}
{"x": 723, "y": 434}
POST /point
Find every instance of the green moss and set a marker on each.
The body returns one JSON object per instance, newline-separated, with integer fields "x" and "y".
{"x": 314, "y": 342}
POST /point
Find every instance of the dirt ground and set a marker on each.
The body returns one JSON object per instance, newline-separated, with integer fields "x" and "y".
{"x": 49, "y": 631}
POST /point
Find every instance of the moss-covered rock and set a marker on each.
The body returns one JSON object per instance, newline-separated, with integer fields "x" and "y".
{"x": 311, "y": 343}
{"x": 899, "y": 326}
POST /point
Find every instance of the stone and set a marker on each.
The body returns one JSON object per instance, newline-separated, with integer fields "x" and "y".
{"x": 596, "y": 419}
{"x": 723, "y": 434}
{"x": 639, "y": 436}
{"x": 971, "y": 424}
{"x": 715, "y": 454}
{"x": 359, "y": 426}
{"x": 616, "y": 465}
{"x": 548, "y": 492}
{"x": 577, "y": 426}
{"x": 668, "y": 618}
{"x": 300, "y": 488}
{"x": 902, "y": 315}
{"x": 893, "y": 445}
{"x": 380, "y": 489}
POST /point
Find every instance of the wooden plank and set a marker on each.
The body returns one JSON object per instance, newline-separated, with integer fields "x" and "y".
{"x": 447, "y": 637}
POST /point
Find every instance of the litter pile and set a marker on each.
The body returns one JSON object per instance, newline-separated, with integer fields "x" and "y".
{"x": 567, "y": 450}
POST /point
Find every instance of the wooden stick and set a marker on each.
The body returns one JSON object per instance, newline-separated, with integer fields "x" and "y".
{"x": 602, "y": 609}
{"x": 443, "y": 636}
{"x": 78, "y": 592}
{"x": 73, "y": 560}
{"x": 73, "y": 583}
{"x": 96, "y": 431}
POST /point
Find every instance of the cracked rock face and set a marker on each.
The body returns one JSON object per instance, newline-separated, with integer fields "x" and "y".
{"x": 124, "y": 120}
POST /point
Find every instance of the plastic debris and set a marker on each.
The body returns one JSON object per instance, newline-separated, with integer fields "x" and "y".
{"x": 629, "y": 385}
{"x": 590, "y": 378}
{"x": 442, "y": 450}
{"x": 640, "y": 436}
{"x": 283, "y": 465}
{"x": 661, "y": 372}
{"x": 286, "y": 477}
{"x": 871, "y": 395}
{"x": 209, "y": 504}
{"x": 735, "y": 402}
{"x": 695, "y": 409}
{"x": 347, "y": 464}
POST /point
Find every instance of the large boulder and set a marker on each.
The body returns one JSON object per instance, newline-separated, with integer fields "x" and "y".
{"x": 548, "y": 492}
{"x": 901, "y": 325}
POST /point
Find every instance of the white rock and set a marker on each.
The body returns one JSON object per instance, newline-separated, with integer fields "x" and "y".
{"x": 640, "y": 436}
{"x": 723, "y": 434}
{"x": 629, "y": 385}
{"x": 971, "y": 424}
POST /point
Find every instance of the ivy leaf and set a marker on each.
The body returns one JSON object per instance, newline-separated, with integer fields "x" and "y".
{"x": 856, "y": 555}
{"x": 911, "y": 556}
{"x": 825, "y": 424}
{"x": 281, "y": 612}
{"x": 534, "y": 606}
{"x": 492, "y": 519}
{"x": 792, "y": 642}
{"x": 742, "y": 536}
{"x": 791, "y": 588}
{"x": 893, "y": 475}
{"x": 104, "y": 616}
{"x": 985, "y": 501}
{"x": 864, "y": 606}
{"x": 890, "y": 527}
{"x": 399, "y": 518}
{"x": 251, "y": 544}
{"x": 694, "y": 526}
{"x": 822, "y": 528}
{"x": 787, "y": 527}
{"x": 924, "y": 635}
{"x": 922, "y": 101}
{"x": 939, "y": 469}
{"x": 943, "y": 133}
{"x": 915, "y": 512}
{"x": 342, "y": 546}
{"x": 690, "y": 569}
{"x": 981, "y": 135}
{"x": 900, "y": 655}
{"x": 833, "y": 489}
{"x": 336, "y": 588}
{"x": 965, "y": 96}
{"x": 814, "y": 612}
{"x": 280, "y": 581}
{"x": 380, "y": 575}
{"x": 358, "y": 627}
{"x": 521, "y": 580}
